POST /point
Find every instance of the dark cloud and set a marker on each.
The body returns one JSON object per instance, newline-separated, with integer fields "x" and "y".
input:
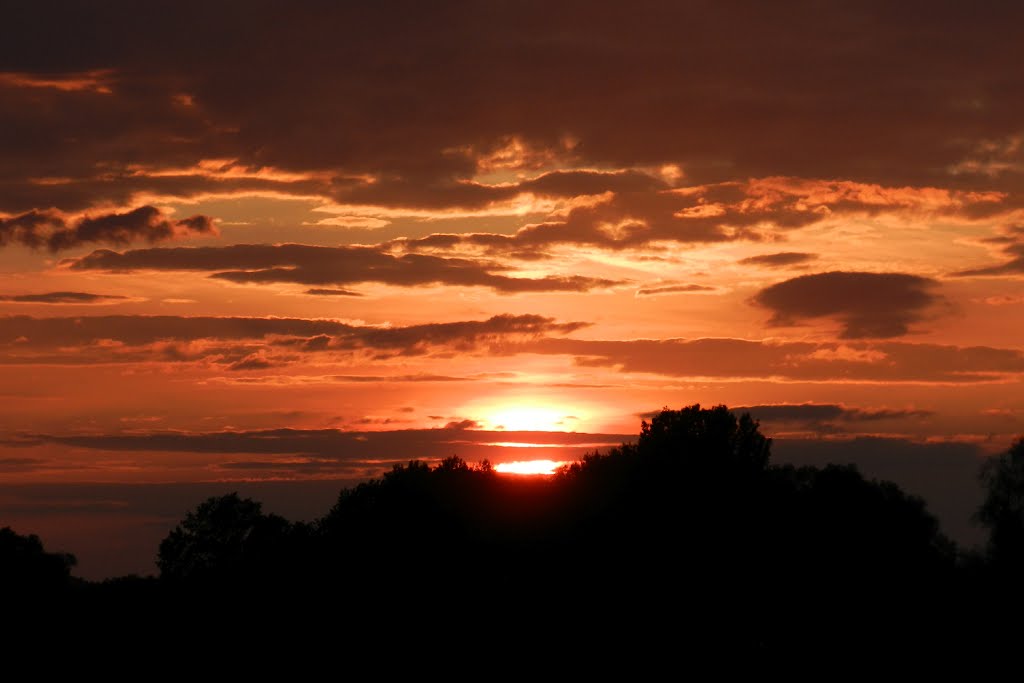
{"x": 866, "y": 304}
{"x": 245, "y": 343}
{"x": 779, "y": 260}
{"x": 121, "y": 183}
{"x": 254, "y": 361}
{"x": 88, "y": 339}
{"x": 752, "y": 210}
{"x": 315, "y": 265}
{"x": 22, "y": 464}
{"x": 332, "y": 292}
{"x": 576, "y": 183}
{"x": 463, "y": 424}
{"x": 421, "y": 99}
{"x": 414, "y": 193}
{"x": 29, "y": 228}
{"x": 399, "y": 378}
{"x": 50, "y": 229}
{"x": 338, "y": 379}
{"x": 672, "y": 289}
{"x": 799, "y": 361}
{"x": 339, "y": 445}
{"x": 817, "y": 413}
{"x": 1012, "y": 243}
{"x": 135, "y": 330}
{"x": 713, "y": 213}
{"x": 61, "y": 298}
{"x": 499, "y": 329}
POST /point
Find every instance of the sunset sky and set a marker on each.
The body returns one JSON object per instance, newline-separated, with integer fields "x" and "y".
{"x": 277, "y": 247}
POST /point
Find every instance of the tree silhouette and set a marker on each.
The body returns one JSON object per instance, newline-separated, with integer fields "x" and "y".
{"x": 421, "y": 520}
{"x": 693, "y": 518}
{"x": 1003, "y": 508}
{"x": 26, "y": 569}
{"x": 706, "y": 439}
{"x": 226, "y": 537}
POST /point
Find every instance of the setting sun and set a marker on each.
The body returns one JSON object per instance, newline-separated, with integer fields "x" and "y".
{"x": 544, "y": 467}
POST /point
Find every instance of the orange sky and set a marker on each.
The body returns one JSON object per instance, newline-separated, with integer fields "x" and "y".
{"x": 409, "y": 231}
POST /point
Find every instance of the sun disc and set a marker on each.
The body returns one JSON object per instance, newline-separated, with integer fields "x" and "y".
{"x": 542, "y": 467}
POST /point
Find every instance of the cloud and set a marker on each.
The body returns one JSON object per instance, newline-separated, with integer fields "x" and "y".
{"x": 823, "y": 416}
{"x": 254, "y": 361}
{"x": 741, "y": 359}
{"x": 61, "y": 298}
{"x": 36, "y": 229}
{"x": 463, "y": 424}
{"x": 712, "y": 213}
{"x": 672, "y": 289}
{"x": 867, "y": 305}
{"x": 499, "y": 328}
{"x": 819, "y": 416}
{"x": 755, "y": 209}
{"x": 18, "y": 465}
{"x": 91, "y": 80}
{"x": 296, "y": 380}
{"x": 424, "y": 101}
{"x": 331, "y": 292}
{"x": 414, "y": 193}
{"x": 1012, "y": 243}
{"x": 779, "y": 260}
{"x": 339, "y": 446}
{"x": 224, "y": 340}
{"x": 316, "y": 265}
{"x": 247, "y": 343}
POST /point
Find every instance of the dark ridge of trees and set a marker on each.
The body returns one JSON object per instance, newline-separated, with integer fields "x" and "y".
{"x": 27, "y": 571}
{"x": 688, "y": 541}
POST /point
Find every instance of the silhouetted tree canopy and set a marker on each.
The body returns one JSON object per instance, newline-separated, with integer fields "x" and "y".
{"x": 27, "y": 569}
{"x": 224, "y": 538}
{"x": 706, "y": 440}
{"x": 1003, "y": 508}
{"x": 693, "y": 502}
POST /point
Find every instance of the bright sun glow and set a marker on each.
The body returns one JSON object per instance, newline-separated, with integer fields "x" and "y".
{"x": 530, "y": 466}
{"x": 527, "y": 418}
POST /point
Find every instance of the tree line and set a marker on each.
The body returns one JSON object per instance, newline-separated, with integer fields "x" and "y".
{"x": 691, "y": 526}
